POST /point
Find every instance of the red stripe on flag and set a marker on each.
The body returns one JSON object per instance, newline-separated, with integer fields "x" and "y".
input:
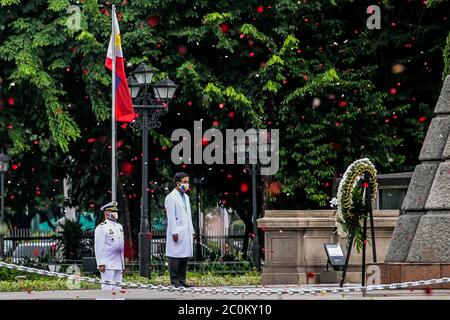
{"x": 124, "y": 105}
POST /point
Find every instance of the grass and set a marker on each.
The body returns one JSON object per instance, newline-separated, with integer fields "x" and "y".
{"x": 51, "y": 284}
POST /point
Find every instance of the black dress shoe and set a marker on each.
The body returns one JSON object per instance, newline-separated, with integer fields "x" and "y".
{"x": 176, "y": 285}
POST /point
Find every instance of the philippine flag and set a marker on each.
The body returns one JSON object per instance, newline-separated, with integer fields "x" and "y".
{"x": 124, "y": 106}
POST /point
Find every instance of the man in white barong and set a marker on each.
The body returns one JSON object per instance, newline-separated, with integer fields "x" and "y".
{"x": 180, "y": 231}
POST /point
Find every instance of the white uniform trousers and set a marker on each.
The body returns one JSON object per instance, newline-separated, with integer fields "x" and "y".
{"x": 113, "y": 275}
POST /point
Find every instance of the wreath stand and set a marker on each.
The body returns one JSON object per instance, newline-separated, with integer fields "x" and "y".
{"x": 366, "y": 208}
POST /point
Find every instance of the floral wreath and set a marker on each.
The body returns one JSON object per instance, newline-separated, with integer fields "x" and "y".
{"x": 350, "y": 196}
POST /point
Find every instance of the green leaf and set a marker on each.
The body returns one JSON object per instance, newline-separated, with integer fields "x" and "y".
{"x": 58, "y": 5}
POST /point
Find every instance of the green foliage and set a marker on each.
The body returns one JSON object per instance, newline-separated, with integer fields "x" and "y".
{"x": 433, "y": 3}
{"x": 71, "y": 239}
{"x": 446, "y": 53}
{"x": 265, "y": 71}
{"x": 238, "y": 227}
{"x": 5, "y": 3}
{"x": 58, "y": 5}
{"x": 447, "y": 58}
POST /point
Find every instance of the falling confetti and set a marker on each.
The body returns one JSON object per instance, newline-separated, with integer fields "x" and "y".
{"x": 244, "y": 187}
{"x": 422, "y": 119}
{"x": 275, "y": 188}
{"x": 127, "y": 168}
{"x": 342, "y": 104}
{"x": 224, "y": 27}
{"x": 182, "y": 50}
{"x": 316, "y": 102}
{"x": 398, "y": 68}
{"x": 153, "y": 21}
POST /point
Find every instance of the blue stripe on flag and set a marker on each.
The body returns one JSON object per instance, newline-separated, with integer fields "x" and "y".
{"x": 117, "y": 82}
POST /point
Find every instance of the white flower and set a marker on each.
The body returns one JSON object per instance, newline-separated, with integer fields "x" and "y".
{"x": 333, "y": 202}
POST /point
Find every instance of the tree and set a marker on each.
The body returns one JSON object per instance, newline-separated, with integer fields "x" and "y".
{"x": 336, "y": 90}
{"x": 446, "y": 72}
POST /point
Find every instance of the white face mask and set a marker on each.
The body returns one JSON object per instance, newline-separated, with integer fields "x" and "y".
{"x": 113, "y": 215}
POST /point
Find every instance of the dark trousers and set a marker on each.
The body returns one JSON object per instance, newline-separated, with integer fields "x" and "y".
{"x": 177, "y": 269}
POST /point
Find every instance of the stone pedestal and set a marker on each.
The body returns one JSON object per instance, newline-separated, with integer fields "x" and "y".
{"x": 294, "y": 239}
{"x": 331, "y": 277}
{"x": 386, "y": 273}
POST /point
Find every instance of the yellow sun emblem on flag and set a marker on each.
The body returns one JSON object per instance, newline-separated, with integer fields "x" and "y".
{"x": 117, "y": 40}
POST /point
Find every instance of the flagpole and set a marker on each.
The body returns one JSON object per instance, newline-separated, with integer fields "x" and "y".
{"x": 113, "y": 124}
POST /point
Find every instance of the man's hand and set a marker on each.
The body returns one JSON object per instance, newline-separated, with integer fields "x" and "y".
{"x": 175, "y": 237}
{"x": 101, "y": 268}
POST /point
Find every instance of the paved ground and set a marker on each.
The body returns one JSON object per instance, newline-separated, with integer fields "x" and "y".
{"x": 139, "y": 294}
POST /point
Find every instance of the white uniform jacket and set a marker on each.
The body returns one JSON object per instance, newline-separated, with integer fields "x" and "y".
{"x": 179, "y": 220}
{"x": 109, "y": 245}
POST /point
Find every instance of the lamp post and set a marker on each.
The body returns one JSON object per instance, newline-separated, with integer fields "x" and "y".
{"x": 253, "y": 151}
{"x": 256, "y": 248}
{"x": 198, "y": 184}
{"x": 249, "y": 149}
{"x": 150, "y": 107}
{"x": 4, "y": 162}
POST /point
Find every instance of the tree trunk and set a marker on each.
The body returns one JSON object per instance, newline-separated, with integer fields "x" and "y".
{"x": 247, "y": 219}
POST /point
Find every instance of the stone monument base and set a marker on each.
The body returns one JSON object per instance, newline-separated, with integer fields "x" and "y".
{"x": 323, "y": 277}
{"x": 330, "y": 277}
{"x": 294, "y": 244}
{"x": 393, "y": 272}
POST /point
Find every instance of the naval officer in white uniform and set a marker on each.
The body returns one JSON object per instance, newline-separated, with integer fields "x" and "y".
{"x": 109, "y": 246}
{"x": 180, "y": 232}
